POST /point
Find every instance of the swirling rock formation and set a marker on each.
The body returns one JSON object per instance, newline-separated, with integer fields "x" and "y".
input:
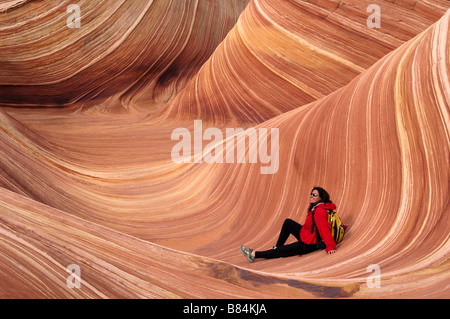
{"x": 364, "y": 113}
{"x": 299, "y": 50}
{"x": 45, "y": 63}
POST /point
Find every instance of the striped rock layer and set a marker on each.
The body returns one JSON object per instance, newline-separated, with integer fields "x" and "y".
{"x": 86, "y": 173}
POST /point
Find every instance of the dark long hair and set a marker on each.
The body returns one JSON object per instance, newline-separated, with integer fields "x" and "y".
{"x": 324, "y": 197}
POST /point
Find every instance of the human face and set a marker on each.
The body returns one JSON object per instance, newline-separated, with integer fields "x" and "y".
{"x": 314, "y": 197}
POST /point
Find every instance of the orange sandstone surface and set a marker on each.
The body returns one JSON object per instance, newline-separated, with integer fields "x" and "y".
{"x": 87, "y": 175}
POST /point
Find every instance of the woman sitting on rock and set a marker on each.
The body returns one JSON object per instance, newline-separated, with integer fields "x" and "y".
{"x": 307, "y": 240}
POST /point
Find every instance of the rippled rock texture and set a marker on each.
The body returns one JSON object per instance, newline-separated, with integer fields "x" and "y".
{"x": 87, "y": 176}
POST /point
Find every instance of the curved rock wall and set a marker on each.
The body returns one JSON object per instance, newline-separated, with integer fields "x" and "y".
{"x": 362, "y": 112}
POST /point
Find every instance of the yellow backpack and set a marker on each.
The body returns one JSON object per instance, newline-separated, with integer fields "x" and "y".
{"x": 337, "y": 228}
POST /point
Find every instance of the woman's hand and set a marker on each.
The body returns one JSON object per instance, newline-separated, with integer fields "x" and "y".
{"x": 331, "y": 252}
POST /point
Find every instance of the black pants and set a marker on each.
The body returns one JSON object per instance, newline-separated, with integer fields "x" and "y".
{"x": 290, "y": 227}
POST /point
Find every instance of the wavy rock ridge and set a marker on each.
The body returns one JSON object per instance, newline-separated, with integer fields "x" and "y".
{"x": 362, "y": 112}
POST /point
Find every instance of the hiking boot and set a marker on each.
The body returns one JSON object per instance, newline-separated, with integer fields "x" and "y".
{"x": 248, "y": 253}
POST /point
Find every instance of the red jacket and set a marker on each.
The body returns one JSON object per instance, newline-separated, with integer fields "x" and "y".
{"x": 321, "y": 219}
